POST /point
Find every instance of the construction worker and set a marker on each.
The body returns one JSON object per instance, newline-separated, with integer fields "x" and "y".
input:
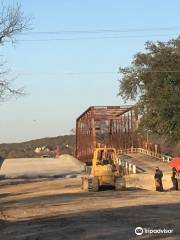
{"x": 158, "y": 179}
{"x": 174, "y": 179}
{"x": 178, "y": 180}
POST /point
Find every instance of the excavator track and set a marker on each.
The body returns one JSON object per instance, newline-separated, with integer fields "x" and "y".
{"x": 120, "y": 183}
{"x": 93, "y": 185}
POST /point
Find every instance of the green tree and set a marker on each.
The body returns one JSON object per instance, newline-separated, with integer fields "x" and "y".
{"x": 153, "y": 81}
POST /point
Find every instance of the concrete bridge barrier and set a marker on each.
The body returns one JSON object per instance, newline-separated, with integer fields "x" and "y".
{"x": 128, "y": 168}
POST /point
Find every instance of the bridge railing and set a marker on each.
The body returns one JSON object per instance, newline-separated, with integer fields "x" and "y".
{"x": 159, "y": 156}
{"x": 129, "y": 168}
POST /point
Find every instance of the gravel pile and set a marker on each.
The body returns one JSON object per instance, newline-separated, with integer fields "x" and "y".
{"x": 65, "y": 165}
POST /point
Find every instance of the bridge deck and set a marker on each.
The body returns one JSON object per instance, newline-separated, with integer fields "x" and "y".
{"x": 146, "y": 163}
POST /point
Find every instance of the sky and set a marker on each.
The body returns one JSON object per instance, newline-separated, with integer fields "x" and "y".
{"x": 69, "y": 60}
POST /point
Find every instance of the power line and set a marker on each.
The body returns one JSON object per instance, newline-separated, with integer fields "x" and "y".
{"x": 95, "y": 38}
{"x": 103, "y": 72}
{"x": 97, "y": 31}
{"x": 70, "y": 73}
{"x": 168, "y": 71}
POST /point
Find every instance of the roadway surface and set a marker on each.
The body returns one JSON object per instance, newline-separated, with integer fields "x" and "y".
{"x": 146, "y": 163}
{"x": 57, "y": 209}
{"x": 146, "y": 168}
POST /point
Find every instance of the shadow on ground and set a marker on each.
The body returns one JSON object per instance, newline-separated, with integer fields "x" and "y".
{"x": 64, "y": 198}
{"x": 115, "y": 224}
{"x": 29, "y": 179}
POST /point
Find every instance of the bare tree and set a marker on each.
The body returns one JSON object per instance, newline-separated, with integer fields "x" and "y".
{"x": 12, "y": 23}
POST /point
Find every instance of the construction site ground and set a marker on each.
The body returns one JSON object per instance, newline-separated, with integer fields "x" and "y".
{"x": 57, "y": 208}
{"x": 146, "y": 166}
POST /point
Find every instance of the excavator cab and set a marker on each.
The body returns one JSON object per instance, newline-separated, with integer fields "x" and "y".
{"x": 105, "y": 171}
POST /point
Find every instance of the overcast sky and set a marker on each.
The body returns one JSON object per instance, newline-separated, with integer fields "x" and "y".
{"x": 70, "y": 59}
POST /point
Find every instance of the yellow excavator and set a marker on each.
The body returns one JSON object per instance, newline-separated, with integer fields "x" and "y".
{"x": 105, "y": 171}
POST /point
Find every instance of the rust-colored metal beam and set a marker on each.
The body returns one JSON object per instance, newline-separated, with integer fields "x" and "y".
{"x": 114, "y": 126}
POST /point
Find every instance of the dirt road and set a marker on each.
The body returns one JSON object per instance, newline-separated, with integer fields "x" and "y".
{"x": 53, "y": 209}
